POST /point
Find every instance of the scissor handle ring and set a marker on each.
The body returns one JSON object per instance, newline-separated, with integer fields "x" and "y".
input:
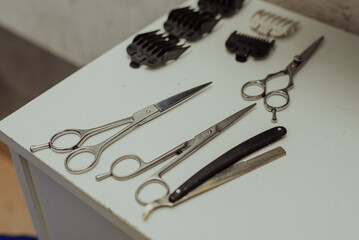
{"x": 282, "y": 93}
{"x": 140, "y": 162}
{"x": 58, "y": 135}
{"x": 259, "y": 83}
{"x": 92, "y": 150}
{"x": 157, "y": 180}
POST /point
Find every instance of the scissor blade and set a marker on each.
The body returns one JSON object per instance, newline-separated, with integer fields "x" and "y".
{"x": 236, "y": 170}
{"x": 179, "y": 98}
{"x": 307, "y": 53}
{"x": 233, "y": 118}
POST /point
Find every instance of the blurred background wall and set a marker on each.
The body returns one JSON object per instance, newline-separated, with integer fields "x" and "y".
{"x": 79, "y": 31}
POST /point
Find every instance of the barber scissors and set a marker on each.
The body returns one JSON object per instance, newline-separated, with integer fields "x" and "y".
{"x": 290, "y": 70}
{"x": 137, "y": 119}
{"x": 183, "y": 150}
{"x": 187, "y": 148}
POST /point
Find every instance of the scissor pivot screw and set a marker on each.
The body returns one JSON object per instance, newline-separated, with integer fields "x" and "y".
{"x": 298, "y": 59}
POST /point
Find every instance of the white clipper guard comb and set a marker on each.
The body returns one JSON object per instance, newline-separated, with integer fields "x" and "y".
{"x": 272, "y": 25}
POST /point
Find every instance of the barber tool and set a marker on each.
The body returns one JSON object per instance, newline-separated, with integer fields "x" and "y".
{"x": 187, "y": 148}
{"x": 137, "y": 119}
{"x": 222, "y": 170}
{"x": 154, "y": 49}
{"x": 290, "y": 70}
{"x": 272, "y": 25}
{"x": 225, "y": 8}
{"x": 244, "y": 46}
{"x": 190, "y": 24}
{"x": 183, "y": 151}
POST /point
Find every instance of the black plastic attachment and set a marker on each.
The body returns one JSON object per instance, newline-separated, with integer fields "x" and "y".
{"x": 225, "y": 8}
{"x": 190, "y": 24}
{"x": 243, "y": 46}
{"x": 227, "y": 159}
{"x": 153, "y": 49}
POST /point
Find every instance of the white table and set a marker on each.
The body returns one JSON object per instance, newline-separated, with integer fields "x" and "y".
{"x": 312, "y": 193}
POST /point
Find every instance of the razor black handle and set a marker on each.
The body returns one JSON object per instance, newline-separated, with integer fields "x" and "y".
{"x": 227, "y": 159}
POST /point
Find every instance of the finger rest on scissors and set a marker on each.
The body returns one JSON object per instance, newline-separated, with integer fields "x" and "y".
{"x": 103, "y": 176}
{"x": 35, "y": 148}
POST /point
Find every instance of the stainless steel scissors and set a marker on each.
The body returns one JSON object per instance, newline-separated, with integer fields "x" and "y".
{"x": 236, "y": 170}
{"x": 290, "y": 70}
{"x": 191, "y": 146}
{"x": 185, "y": 150}
{"x": 137, "y": 119}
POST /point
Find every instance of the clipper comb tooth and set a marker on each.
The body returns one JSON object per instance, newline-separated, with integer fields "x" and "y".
{"x": 189, "y": 24}
{"x": 225, "y": 8}
{"x": 270, "y": 24}
{"x": 243, "y": 46}
{"x": 153, "y": 49}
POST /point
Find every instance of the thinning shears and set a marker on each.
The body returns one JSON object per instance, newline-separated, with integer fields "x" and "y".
{"x": 184, "y": 150}
{"x": 293, "y": 67}
{"x": 223, "y": 169}
{"x": 137, "y": 119}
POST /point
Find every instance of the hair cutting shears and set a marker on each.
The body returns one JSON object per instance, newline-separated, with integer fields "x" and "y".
{"x": 137, "y": 119}
{"x": 183, "y": 150}
{"x": 293, "y": 67}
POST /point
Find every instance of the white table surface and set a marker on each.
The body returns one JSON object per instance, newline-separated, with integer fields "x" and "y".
{"x": 312, "y": 193}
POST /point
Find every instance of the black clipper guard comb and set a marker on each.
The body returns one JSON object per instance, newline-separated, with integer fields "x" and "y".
{"x": 243, "y": 46}
{"x": 190, "y": 24}
{"x": 225, "y": 8}
{"x": 153, "y": 49}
